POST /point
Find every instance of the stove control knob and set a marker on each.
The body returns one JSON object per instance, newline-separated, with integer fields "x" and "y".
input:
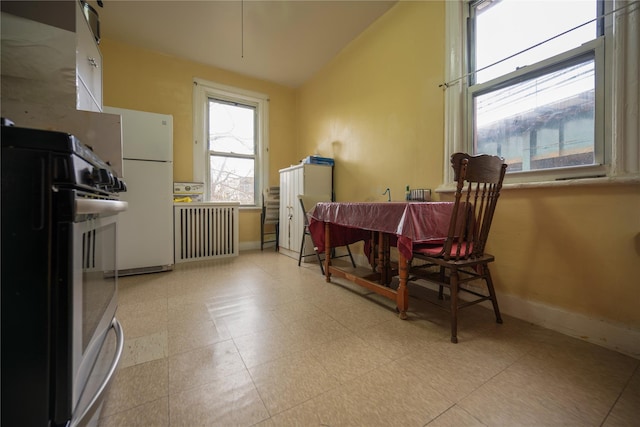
{"x": 121, "y": 186}
{"x": 101, "y": 176}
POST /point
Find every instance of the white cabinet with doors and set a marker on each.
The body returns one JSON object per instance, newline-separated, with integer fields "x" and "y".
{"x": 305, "y": 179}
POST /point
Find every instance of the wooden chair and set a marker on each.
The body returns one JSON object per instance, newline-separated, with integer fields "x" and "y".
{"x": 308, "y": 201}
{"x": 462, "y": 257}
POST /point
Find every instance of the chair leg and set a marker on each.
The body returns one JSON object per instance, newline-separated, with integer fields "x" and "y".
{"x": 441, "y": 288}
{"x": 492, "y": 292}
{"x": 454, "y": 306}
{"x": 301, "y": 248}
{"x": 319, "y": 260}
{"x": 351, "y": 256}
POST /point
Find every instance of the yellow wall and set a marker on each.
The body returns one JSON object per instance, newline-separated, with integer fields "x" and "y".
{"x": 139, "y": 79}
{"x": 572, "y": 247}
{"x": 378, "y": 110}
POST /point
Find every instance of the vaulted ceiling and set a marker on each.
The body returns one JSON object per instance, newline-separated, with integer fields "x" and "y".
{"x": 285, "y": 42}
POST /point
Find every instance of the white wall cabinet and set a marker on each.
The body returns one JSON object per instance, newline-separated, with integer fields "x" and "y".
{"x": 306, "y": 179}
{"x": 50, "y": 56}
{"x": 88, "y": 66}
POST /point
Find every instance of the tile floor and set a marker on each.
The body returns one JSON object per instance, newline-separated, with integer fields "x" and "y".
{"x": 258, "y": 341}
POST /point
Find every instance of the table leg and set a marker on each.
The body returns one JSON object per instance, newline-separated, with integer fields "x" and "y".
{"x": 327, "y": 251}
{"x": 402, "y": 296}
{"x": 381, "y": 258}
{"x": 387, "y": 260}
{"x": 373, "y": 262}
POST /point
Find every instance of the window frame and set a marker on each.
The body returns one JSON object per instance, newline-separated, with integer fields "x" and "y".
{"x": 203, "y": 90}
{"x": 620, "y": 159}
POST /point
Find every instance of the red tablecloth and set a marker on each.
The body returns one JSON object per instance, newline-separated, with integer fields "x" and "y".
{"x": 411, "y": 222}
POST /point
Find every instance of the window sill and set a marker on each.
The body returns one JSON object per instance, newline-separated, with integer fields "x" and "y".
{"x": 620, "y": 180}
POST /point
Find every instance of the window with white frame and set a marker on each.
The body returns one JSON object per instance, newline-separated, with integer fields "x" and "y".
{"x": 539, "y": 83}
{"x": 230, "y": 147}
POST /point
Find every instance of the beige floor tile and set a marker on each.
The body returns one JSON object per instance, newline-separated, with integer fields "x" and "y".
{"x": 142, "y": 288}
{"x": 189, "y": 335}
{"x": 626, "y": 411}
{"x": 143, "y": 318}
{"x": 268, "y": 345}
{"x": 455, "y": 417}
{"x": 383, "y": 397}
{"x": 348, "y": 358}
{"x": 291, "y": 380}
{"x": 228, "y": 304}
{"x": 396, "y": 338}
{"x": 152, "y": 414}
{"x": 136, "y": 385}
{"x": 249, "y": 321}
{"x": 363, "y": 314}
{"x": 189, "y": 311}
{"x": 290, "y": 312}
{"x": 546, "y": 391}
{"x": 317, "y": 330}
{"x": 511, "y": 399}
{"x": 455, "y": 370}
{"x": 145, "y": 349}
{"x": 203, "y": 365}
{"x": 230, "y": 401}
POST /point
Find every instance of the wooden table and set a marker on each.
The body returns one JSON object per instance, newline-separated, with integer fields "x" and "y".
{"x": 400, "y": 224}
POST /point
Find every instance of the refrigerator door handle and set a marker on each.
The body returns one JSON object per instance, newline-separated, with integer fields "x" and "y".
{"x": 97, "y": 398}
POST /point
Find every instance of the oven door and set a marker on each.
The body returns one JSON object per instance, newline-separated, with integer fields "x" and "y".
{"x": 95, "y": 295}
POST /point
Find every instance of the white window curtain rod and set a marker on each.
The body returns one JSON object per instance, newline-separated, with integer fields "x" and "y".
{"x": 446, "y": 85}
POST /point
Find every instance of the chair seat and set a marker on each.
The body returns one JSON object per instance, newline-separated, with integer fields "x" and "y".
{"x": 437, "y": 250}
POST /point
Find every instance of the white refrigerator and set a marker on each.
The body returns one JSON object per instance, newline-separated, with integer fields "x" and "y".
{"x": 145, "y": 230}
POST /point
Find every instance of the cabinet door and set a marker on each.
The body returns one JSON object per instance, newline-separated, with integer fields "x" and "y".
{"x": 88, "y": 66}
{"x": 291, "y": 184}
{"x": 297, "y": 224}
{"x": 284, "y": 210}
{"x": 317, "y": 181}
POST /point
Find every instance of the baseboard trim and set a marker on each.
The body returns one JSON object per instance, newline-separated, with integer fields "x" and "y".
{"x": 606, "y": 334}
{"x": 600, "y": 332}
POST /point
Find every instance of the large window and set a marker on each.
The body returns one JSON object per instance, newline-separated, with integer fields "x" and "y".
{"x": 232, "y": 151}
{"x": 533, "y": 82}
{"x": 230, "y": 142}
{"x": 551, "y": 86}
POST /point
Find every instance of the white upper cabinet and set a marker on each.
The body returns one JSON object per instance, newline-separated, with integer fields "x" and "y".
{"x": 49, "y": 56}
{"x": 88, "y": 66}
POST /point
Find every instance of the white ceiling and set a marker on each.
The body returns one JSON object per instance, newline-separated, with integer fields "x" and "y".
{"x": 285, "y": 42}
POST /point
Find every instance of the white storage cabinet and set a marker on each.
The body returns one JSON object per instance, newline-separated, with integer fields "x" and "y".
{"x": 306, "y": 179}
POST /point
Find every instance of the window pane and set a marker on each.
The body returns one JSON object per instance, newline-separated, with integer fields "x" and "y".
{"x": 504, "y": 28}
{"x": 231, "y": 180}
{"x": 540, "y": 123}
{"x": 231, "y": 128}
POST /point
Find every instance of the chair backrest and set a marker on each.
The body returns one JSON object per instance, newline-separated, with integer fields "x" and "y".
{"x": 307, "y": 203}
{"x": 478, "y": 184}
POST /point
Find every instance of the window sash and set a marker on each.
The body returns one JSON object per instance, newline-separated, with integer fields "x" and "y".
{"x": 594, "y": 49}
